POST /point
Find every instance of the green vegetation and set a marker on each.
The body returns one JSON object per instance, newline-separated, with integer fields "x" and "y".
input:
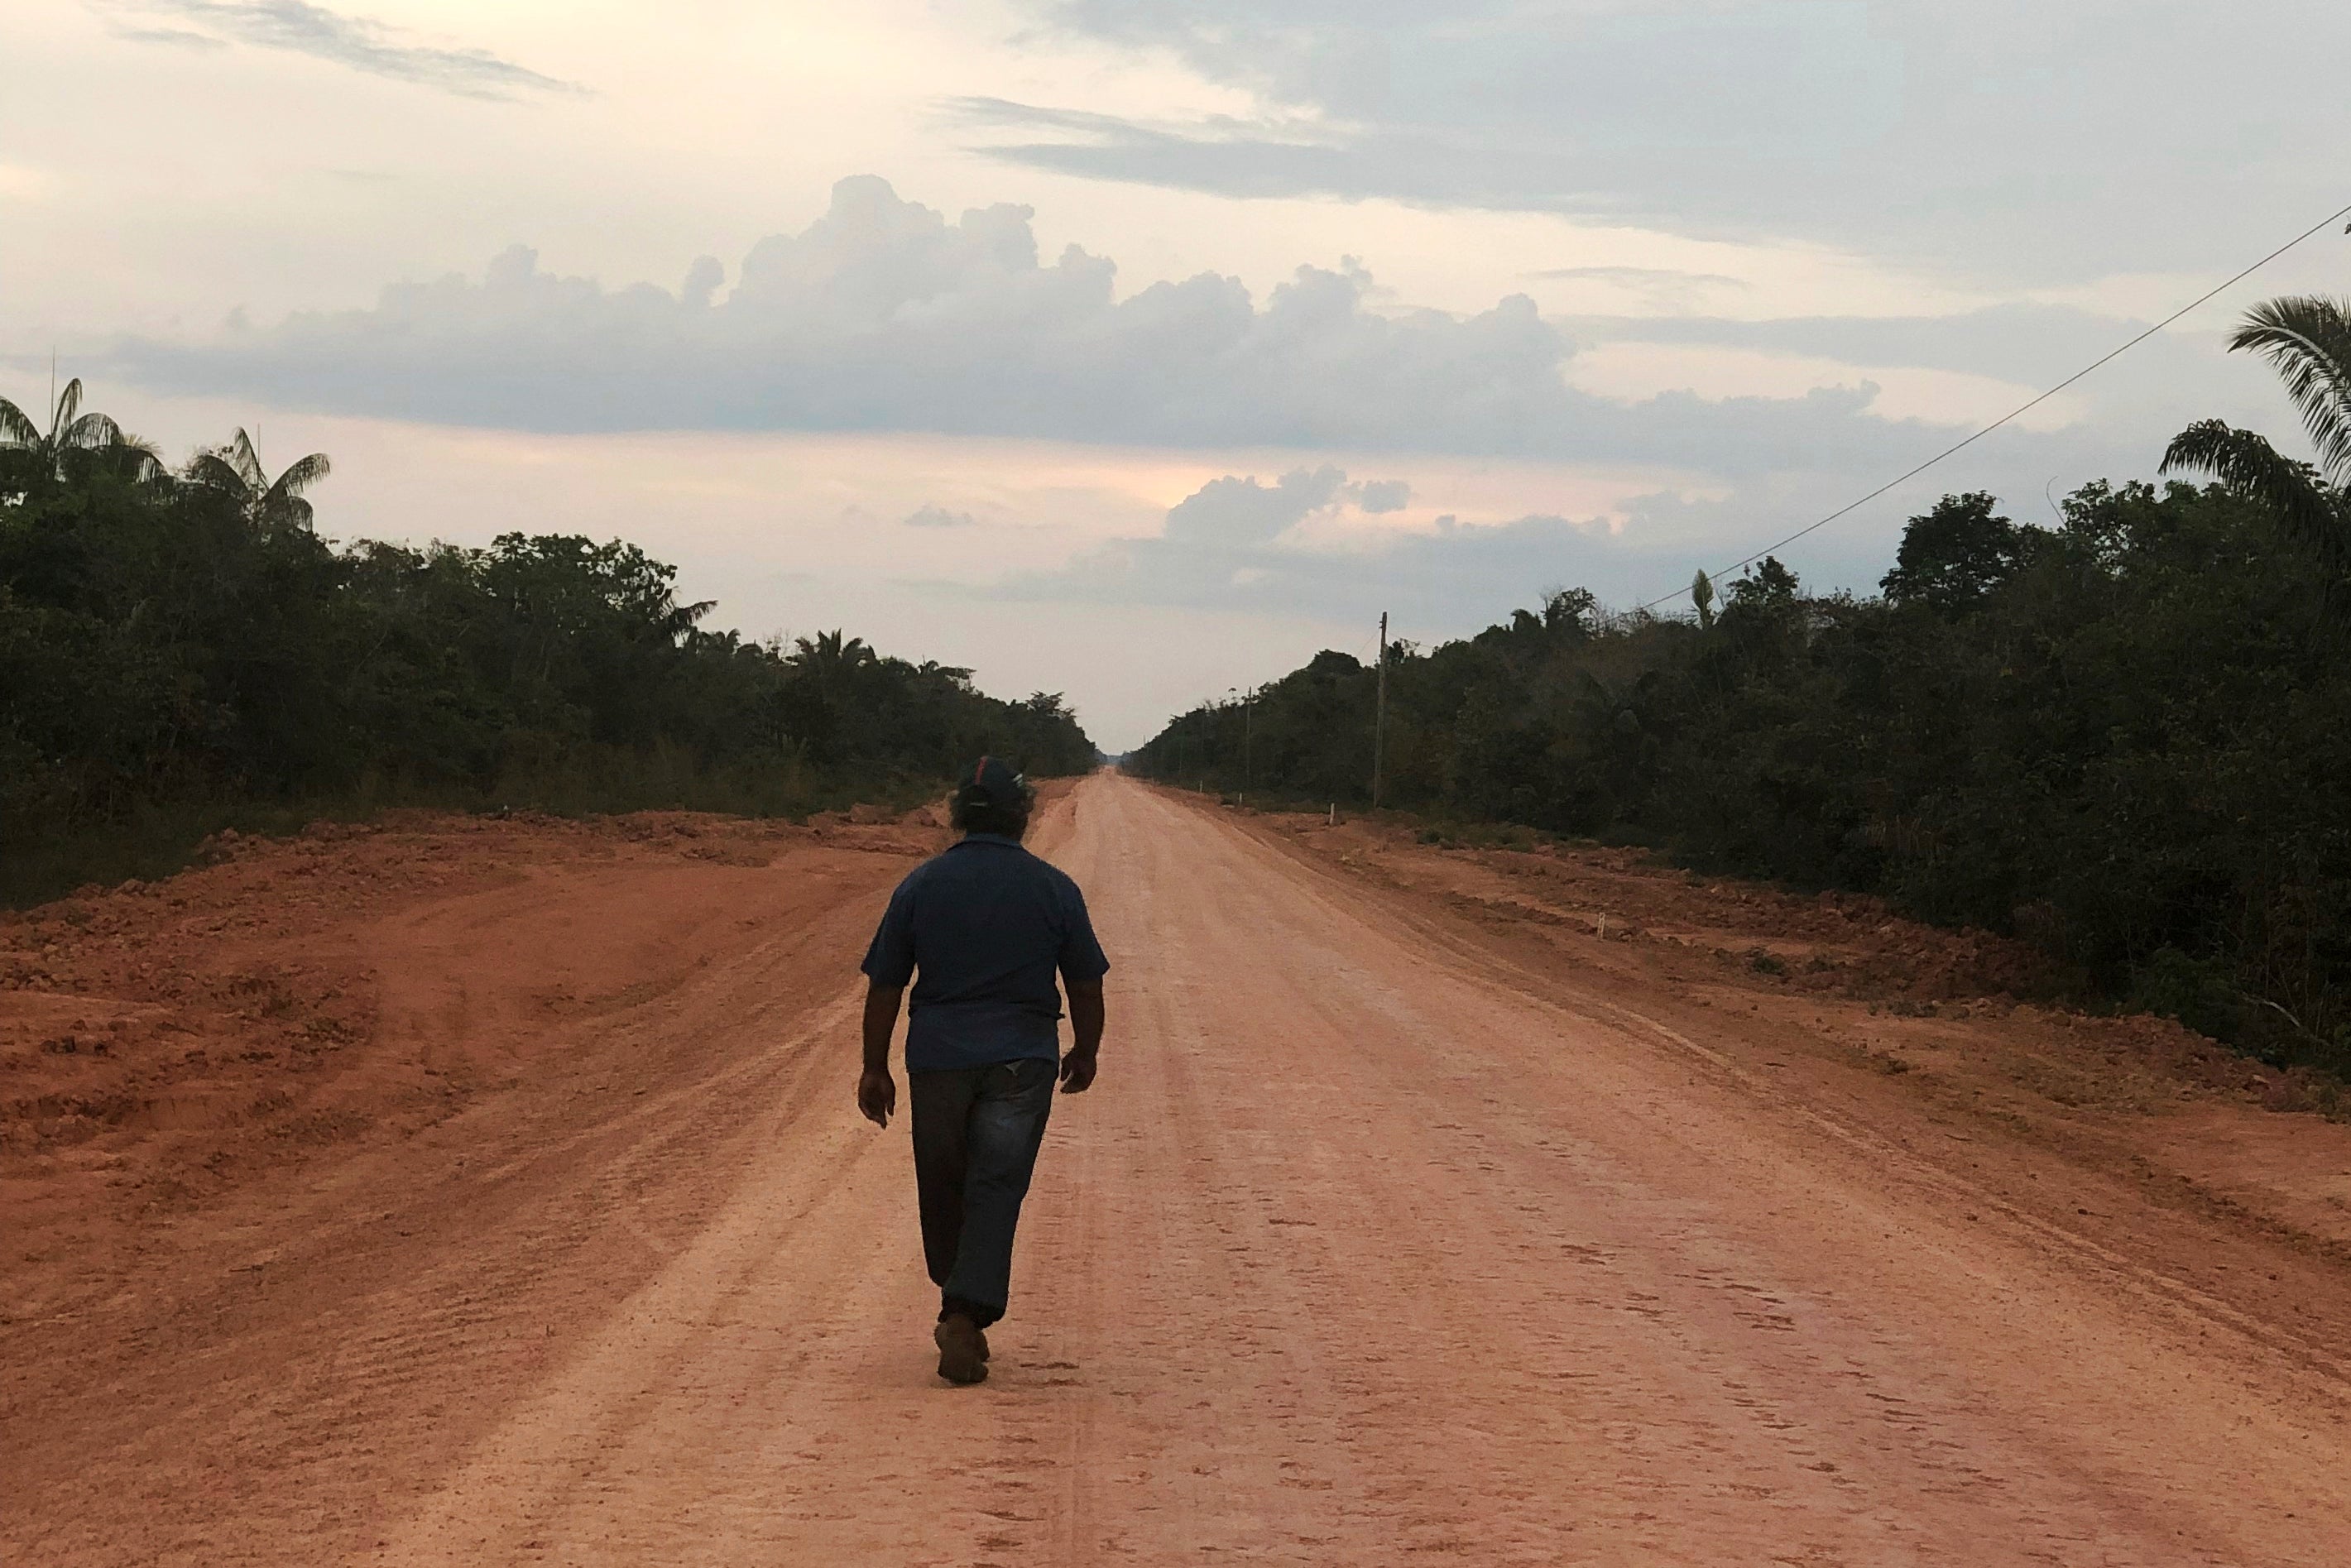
{"x": 2125, "y": 739}
{"x": 183, "y": 652}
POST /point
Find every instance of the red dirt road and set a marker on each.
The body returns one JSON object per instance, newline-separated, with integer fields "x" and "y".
{"x": 1379, "y": 1242}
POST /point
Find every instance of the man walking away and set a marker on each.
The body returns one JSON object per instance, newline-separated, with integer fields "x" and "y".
{"x": 981, "y": 930}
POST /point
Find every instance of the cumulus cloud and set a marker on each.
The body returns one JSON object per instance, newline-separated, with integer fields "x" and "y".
{"x": 884, "y": 315}
{"x": 357, "y": 43}
{"x": 1999, "y": 138}
{"x": 932, "y": 515}
{"x": 1234, "y": 544}
{"x": 1231, "y": 545}
{"x": 1243, "y": 513}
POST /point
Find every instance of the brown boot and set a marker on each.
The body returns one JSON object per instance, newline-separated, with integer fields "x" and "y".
{"x": 963, "y": 1349}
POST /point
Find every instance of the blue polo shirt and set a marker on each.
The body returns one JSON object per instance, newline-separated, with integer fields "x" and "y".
{"x": 986, "y": 926}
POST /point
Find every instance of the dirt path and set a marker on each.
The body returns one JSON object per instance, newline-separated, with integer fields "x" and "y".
{"x": 1376, "y": 1243}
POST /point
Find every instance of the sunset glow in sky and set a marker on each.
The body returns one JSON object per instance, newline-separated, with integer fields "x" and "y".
{"x": 1135, "y": 349}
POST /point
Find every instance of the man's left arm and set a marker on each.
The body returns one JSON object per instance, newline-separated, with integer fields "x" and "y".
{"x": 1082, "y": 966}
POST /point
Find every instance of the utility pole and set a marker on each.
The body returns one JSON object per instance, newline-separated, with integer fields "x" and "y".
{"x": 1248, "y": 732}
{"x": 1380, "y": 713}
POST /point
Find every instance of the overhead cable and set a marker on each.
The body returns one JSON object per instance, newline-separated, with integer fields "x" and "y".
{"x": 2021, "y": 409}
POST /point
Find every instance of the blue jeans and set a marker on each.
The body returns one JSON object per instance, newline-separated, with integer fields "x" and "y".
{"x": 977, "y": 1132}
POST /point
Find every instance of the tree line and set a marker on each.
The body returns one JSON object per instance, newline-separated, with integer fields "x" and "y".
{"x": 2125, "y": 738}
{"x": 180, "y": 650}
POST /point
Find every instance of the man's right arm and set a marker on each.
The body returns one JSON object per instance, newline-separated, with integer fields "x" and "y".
{"x": 888, "y": 965}
{"x": 1086, "y": 1017}
{"x": 877, "y": 1091}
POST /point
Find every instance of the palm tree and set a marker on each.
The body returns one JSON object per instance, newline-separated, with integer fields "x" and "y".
{"x": 2308, "y": 339}
{"x": 1702, "y": 595}
{"x": 830, "y": 654}
{"x": 70, "y": 430}
{"x": 236, "y": 471}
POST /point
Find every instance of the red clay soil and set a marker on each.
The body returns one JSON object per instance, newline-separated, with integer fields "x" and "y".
{"x": 464, "y": 1192}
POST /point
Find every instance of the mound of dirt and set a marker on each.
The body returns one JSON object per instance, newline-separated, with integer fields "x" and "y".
{"x": 160, "y": 1044}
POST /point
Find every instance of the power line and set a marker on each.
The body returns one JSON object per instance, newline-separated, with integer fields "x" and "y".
{"x": 2019, "y": 410}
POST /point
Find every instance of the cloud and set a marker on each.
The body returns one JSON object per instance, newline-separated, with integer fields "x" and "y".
{"x": 170, "y": 38}
{"x": 1445, "y": 581}
{"x": 1242, "y": 514}
{"x": 1235, "y": 513}
{"x": 2121, "y": 415}
{"x": 1450, "y": 577}
{"x": 883, "y": 315}
{"x": 1999, "y": 140}
{"x": 1642, "y": 276}
{"x": 1661, "y": 287}
{"x": 2021, "y": 341}
{"x": 1229, "y": 545}
{"x": 356, "y": 42}
{"x": 932, "y": 515}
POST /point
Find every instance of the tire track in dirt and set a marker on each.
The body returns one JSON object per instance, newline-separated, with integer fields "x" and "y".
{"x": 1578, "y": 1007}
{"x": 1373, "y": 1244}
{"x": 1507, "y": 1138}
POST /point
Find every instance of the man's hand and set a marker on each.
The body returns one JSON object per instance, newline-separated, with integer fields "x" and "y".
{"x": 1078, "y": 1072}
{"x": 877, "y": 1094}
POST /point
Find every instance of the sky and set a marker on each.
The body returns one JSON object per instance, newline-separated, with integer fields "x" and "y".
{"x": 1136, "y": 349}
